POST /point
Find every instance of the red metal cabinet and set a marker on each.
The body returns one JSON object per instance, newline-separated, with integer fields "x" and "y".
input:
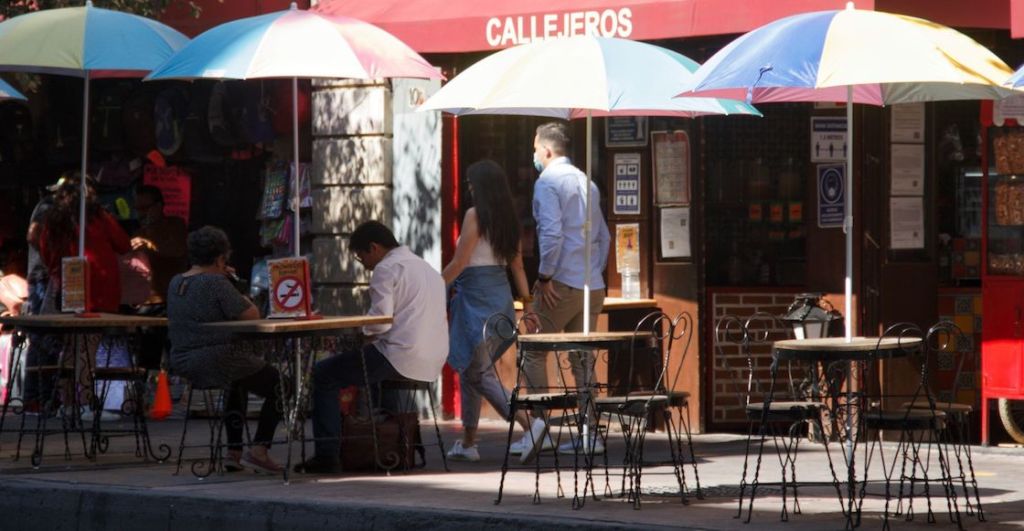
{"x": 1002, "y": 348}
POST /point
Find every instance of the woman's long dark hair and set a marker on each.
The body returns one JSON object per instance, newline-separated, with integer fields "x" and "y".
{"x": 61, "y": 221}
{"x": 495, "y": 209}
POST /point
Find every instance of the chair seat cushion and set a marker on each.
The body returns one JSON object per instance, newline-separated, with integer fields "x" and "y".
{"x": 950, "y": 408}
{"x": 548, "y": 400}
{"x": 785, "y": 410}
{"x": 904, "y": 419}
{"x": 634, "y": 405}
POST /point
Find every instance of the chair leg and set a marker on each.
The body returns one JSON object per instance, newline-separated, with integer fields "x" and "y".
{"x": 437, "y": 429}
{"x": 184, "y": 430}
{"x": 508, "y": 444}
{"x": 684, "y": 424}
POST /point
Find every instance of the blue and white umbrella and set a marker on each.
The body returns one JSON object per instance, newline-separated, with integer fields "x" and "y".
{"x": 7, "y": 92}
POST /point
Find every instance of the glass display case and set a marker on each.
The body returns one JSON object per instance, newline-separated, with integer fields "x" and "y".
{"x": 1005, "y": 213}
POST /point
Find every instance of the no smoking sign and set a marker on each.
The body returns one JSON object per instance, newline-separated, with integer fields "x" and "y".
{"x": 289, "y": 287}
{"x": 289, "y": 293}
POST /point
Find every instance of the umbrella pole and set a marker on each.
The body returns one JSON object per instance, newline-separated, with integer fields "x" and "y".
{"x": 83, "y": 187}
{"x": 296, "y": 177}
{"x": 586, "y": 232}
{"x": 848, "y": 222}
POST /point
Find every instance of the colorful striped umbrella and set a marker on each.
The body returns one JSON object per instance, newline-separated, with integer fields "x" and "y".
{"x": 87, "y": 42}
{"x": 580, "y": 77}
{"x": 857, "y": 56}
{"x": 7, "y": 92}
{"x": 295, "y": 44}
{"x": 1017, "y": 79}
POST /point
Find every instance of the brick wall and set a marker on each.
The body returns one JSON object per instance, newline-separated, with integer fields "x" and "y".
{"x": 728, "y": 369}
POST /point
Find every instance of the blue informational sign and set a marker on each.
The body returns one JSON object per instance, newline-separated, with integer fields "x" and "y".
{"x": 831, "y": 195}
{"x": 627, "y": 184}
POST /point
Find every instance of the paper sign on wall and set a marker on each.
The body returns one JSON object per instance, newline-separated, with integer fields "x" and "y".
{"x": 289, "y": 288}
{"x": 74, "y": 288}
{"x": 175, "y": 185}
{"x": 627, "y": 247}
{"x": 675, "y": 232}
{"x": 671, "y": 156}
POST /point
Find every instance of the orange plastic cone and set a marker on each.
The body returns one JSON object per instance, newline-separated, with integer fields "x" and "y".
{"x": 162, "y": 401}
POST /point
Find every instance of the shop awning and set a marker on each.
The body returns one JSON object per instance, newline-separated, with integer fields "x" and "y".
{"x": 469, "y": 25}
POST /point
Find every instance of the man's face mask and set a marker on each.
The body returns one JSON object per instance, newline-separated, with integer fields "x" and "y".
{"x": 537, "y": 164}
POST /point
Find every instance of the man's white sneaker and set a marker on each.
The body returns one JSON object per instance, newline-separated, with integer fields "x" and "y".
{"x": 461, "y": 453}
{"x": 538, "y": 433}
{"x": 570, "y": 447}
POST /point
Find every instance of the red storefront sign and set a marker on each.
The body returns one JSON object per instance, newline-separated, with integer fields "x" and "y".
{"x": 467, "y": 25}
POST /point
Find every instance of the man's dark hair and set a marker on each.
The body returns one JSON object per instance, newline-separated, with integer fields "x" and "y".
{"x": 206, "y": 245}
{"x": 371, "y": 232}
{"x": 556, "y": 136}
{"x": 152, "y": 192}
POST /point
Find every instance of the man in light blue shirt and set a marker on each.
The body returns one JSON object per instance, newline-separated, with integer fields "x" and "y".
{"x": 559, "y": 208}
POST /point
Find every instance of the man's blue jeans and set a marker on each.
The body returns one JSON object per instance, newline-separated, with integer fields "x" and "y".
{"x": 332, "y": 374}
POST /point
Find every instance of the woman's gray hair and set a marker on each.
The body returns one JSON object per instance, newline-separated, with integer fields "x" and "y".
{"x": 206, "y": 245}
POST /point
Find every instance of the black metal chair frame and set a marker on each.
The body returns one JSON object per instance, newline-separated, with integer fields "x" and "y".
{"x": 407, "y": 389}
{"x": 217, "y": 419}
{"x": 654, "y": 336}
{"x": 923, "y": 431}
{"x": 508, "y": 331}
{"x": 781, "y": 421}
{"x": 68, "y": 374}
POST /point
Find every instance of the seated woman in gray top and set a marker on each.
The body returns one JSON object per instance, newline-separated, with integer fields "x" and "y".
{"x": 203, "y": 294}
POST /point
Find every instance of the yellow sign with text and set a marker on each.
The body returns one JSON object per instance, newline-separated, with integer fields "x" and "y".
{"x": 74, "y": 289}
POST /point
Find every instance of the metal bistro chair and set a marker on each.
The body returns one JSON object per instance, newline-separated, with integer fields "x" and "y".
{"x": 654, "y": 337}
{"x": 945, "y": 339}
{"x": 561, "y": 398}
{"x": 406, "y": 392}
{"x": 217, "y": 418}
{"x": 921, "y": 434}
{"x": 784, "y": 422}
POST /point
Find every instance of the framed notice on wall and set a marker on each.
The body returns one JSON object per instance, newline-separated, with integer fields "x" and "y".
{"x": 674, "y": 228}
{"x": 671, "y": 167}
{"x": 627, "y": 184}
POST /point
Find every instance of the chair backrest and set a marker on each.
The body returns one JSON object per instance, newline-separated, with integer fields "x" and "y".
{"x": 948, "y": 349}
{"x": 742, "y": 339}
{"x": 649, "y": 350}
{"x": 909, "y": 348}
{"x": 683, "y": 330}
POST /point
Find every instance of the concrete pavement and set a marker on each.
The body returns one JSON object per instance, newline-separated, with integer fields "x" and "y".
{"x": 120, "y": 491}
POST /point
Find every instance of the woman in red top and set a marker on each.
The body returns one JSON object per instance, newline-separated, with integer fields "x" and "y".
{"x": 104, "y": 241}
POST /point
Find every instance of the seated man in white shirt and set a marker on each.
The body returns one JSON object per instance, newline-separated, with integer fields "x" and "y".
{"x": 405, "y": 287}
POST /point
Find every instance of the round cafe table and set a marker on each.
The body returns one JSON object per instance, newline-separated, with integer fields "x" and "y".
{"x": 852, "y": 351}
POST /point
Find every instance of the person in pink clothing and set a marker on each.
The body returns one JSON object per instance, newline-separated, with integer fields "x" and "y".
{"x": 105, "y": 240}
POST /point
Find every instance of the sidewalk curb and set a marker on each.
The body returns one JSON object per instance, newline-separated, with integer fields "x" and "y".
{"x": 33, "y": 504}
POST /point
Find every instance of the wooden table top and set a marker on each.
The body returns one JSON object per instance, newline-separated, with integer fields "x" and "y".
{"x": 571, "y": 340}
{"x": 291, "y": 326}
{"x": 69, "y": 320}
{"x": 839, "y": 347}
{"x": 612, "y": 304}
